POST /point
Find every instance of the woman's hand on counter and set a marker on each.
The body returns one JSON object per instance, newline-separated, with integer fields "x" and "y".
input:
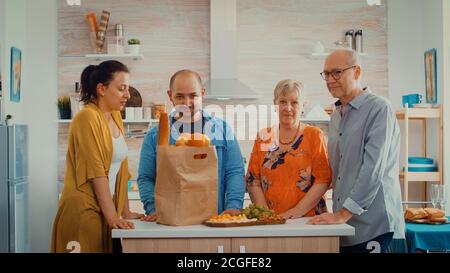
{"x": 132, "y": 215}
{"x": 293, "y": 213}
{"x": 118, "y": 223}
{"x": 149, "y": 218}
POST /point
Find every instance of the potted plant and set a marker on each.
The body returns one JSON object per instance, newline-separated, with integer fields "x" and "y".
{"x": 134, "y": 46}
{"x": 64, "y": 107}
{"x": 9, "y": 120}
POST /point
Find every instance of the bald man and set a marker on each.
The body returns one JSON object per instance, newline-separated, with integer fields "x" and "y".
{"x": 363, "y": 147}
{"x": 186, "y": 92}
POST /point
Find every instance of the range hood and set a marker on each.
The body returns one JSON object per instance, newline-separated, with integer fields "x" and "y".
{"x": 224, "y": 83}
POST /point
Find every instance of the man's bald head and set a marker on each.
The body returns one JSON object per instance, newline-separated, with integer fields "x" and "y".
{"x": 349, "y": 56}
{"x": 185, "y": 73}
{"x": 342, "y": 72}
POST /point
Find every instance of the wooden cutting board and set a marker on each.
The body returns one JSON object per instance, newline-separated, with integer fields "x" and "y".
{"x": 254, "y": 223}
{"x": 426, "y": 221}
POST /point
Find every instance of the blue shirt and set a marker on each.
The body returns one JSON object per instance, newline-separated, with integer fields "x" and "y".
{"x": 230, "y": 163}
{"x": 363, "y": 148}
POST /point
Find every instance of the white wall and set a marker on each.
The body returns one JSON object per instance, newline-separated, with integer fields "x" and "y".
{"x": 405, "y": 32}
{"x": 32, "y": 27}
{"x": 414, "y": 27}
{"x": 446, "y": 96}
{"x": 14, "y": 35}
{"x": 433, "y": 38}
{"x": 405, "y": 59}
{"x": 2, "y": 48}
{"x": 41, "y": 84}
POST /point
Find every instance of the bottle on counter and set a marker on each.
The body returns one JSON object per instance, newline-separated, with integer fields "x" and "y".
{"x": 349, "y": 39}
{"x": 359, "y": 41}
{"x": 75, "y": 100}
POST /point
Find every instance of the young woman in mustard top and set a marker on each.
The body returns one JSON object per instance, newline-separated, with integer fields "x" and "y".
{"x": 95, "y": 195}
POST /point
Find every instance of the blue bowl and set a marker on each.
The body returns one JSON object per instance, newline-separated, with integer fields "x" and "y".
{"x": 422, "y": 169}
{"x": 420, "y": 160}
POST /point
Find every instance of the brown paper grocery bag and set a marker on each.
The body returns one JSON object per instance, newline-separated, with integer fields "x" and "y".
{"x": 186, "y": 185}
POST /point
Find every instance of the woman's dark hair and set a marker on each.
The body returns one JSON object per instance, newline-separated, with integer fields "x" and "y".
{"x": 95, "y": 74}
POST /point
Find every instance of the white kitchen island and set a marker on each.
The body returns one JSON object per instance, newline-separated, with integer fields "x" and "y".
{"x": 294, "y": 236}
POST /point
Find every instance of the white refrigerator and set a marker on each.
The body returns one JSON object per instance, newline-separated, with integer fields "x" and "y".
{"x": 14, "y": 202}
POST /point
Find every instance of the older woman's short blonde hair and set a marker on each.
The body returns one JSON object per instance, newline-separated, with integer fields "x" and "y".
{"x": 288, "y": 86}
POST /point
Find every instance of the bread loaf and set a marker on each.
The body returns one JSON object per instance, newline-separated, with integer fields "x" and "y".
{"x": 194, "y": 140}
{"x": 434, "y": 213}
{"x": 164, "y": 130}
{"x": 415, "y": 213}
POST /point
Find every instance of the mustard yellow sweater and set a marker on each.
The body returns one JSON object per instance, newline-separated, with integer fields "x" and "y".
{"x": 79, "y": 220}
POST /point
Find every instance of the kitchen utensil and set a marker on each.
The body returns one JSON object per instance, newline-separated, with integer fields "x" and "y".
{"x": 349, "y": 38}
{"x": 359, "y": 41}
{"x": 92, "y": 21}
{"x": 104, "y": 20}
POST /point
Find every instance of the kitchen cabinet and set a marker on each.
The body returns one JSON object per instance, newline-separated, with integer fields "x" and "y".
{"x": 294, "y": 236}
{"x": 285, "y": 245}
{"x": 233, "y": 245}
{"x": 178, "y": 245}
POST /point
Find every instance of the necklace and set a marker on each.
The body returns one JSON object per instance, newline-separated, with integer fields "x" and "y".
{"x": 292, "y": 140}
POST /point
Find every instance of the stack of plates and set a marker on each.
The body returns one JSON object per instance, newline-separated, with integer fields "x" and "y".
{"x": 421, "y": 164}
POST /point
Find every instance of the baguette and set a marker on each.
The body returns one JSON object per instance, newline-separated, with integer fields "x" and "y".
{"x": 415, "y": 213}
{"x": 163, "y": 130}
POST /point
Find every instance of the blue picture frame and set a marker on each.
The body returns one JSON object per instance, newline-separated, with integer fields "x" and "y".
{"x": 16, "y": 74}
{"x": 430, "y": 76}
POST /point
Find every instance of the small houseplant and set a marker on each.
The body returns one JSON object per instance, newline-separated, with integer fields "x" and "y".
{"x": 9, "y": 120}
{"x": 134, "y": 46}
{"x": 64, "y": 107}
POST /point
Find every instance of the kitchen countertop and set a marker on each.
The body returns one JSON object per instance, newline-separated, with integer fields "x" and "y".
{"x": 292, "y": 228}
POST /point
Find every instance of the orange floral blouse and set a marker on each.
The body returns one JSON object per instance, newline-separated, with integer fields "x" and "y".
{"x": 286, "y": 176}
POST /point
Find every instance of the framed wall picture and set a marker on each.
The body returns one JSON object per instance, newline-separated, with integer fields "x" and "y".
{"x": 431, "y": 76}
{"x": 16, "y": 68}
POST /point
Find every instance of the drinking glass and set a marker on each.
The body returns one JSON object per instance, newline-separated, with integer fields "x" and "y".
{"x": 442, "y": 197}
{"x": 434, "y": 195}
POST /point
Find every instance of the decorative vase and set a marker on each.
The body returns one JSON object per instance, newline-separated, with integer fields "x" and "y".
{"x": 65, "y": 113}
{"x": 134, "y": 49}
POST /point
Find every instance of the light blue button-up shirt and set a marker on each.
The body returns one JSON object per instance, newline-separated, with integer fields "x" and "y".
{"x": 363, "y": 146}
{"x": 230, "y": 164}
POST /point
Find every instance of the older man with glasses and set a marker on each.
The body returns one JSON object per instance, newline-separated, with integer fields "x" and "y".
{"x": 363, "y": 147}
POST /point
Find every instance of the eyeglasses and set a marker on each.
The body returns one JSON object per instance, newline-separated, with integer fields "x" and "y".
{"x": 336, "y": 74}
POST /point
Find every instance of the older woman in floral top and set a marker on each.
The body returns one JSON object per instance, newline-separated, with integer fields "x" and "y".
{"x": 288, "y": 169}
